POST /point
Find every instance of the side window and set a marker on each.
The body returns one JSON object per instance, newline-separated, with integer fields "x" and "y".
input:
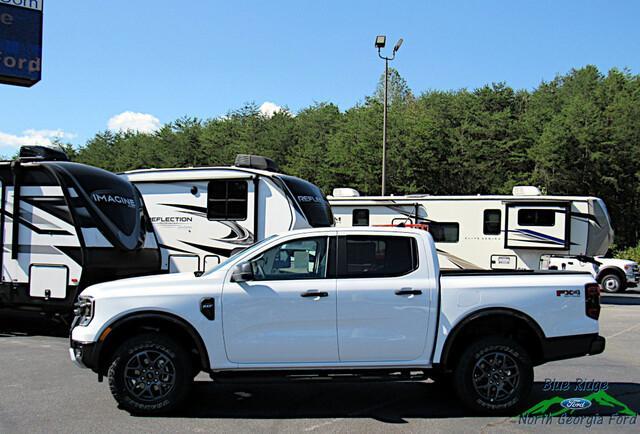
{"x": 297, "y": 259}
{"x": 492, "y": 221}
{"x": 360, "y": 217}
{"x": 376, "y": 256}
{"x": 445, "y": 232}
{"x": 536, "y": 217}
{"x": 227, "y": 200}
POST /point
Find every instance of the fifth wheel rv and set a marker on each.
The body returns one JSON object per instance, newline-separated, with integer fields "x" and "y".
{"x": 65, "y": 226}
{"x": 522, "y": 231}
{"x": 204, "y": 215}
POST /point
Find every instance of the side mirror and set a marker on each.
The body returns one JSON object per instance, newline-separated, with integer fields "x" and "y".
{"x": 242, "y": 273}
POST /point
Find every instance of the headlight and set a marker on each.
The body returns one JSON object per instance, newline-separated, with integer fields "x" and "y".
{"x": 84, "y": 310}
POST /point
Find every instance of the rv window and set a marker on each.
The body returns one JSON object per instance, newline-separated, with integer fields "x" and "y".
{"x": 536, "y": 217}
{"x": 377, "y": 256}
{"x": 492, "y": 220}
{"x": 227, "y": 200}
{"x": 444, "y": 232}
{"x": 360, "y": 217}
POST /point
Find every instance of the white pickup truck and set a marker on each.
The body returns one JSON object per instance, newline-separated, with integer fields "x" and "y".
{"x": 365, "y": 303}
{"x": 614, "y": 275}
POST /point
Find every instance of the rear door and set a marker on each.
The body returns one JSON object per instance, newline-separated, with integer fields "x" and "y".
{"x": 383, "y": 304}
{"x": 538, "y": 226}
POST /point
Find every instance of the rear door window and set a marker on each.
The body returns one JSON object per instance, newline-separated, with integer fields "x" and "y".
{"x": 376, "y": 256}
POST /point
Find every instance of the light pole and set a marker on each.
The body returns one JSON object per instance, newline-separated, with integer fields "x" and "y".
{"x": 381, "y": 41}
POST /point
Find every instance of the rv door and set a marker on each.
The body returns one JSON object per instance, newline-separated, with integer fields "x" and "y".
{"x": 541, "y": 226}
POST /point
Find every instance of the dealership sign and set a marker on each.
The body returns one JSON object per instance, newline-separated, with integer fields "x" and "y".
{"x": 20, "y": 42}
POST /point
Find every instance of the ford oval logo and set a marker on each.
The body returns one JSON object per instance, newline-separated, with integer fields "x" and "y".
{"x": 576, "y": 403}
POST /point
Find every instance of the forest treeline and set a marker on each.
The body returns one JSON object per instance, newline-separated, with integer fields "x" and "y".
{"x": 577, "y": 134}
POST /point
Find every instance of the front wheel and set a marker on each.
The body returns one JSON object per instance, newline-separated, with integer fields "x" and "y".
{"x": 494, "y": 376}
{"x": 150, "y": 374}
{"x": 612, "y": 283}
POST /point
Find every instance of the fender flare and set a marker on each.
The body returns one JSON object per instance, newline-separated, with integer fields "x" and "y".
{"x": 163, "y": 316}
{"x": 483, "y": 313}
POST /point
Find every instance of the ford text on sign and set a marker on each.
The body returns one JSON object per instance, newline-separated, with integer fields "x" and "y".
{"x": 20, "y": 42}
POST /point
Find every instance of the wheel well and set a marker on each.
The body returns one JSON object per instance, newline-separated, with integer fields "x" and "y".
{"x": 181, "y": 332}
{"x": 507, "y": 324}
{"x": 611, "y": 270}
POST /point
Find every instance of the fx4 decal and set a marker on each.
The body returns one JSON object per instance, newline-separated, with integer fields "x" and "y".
{"x": 568, "y": 293}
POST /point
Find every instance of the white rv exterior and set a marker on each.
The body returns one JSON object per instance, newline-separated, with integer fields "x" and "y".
{"x": 508, "y": 232}
{"x": 65, "y": 226}
{"x": 201, "y": 216}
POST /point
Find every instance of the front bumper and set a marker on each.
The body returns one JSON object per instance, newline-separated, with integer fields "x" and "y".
{"x": 632, "y": 280}
{"x": 567, "y": 347}
{"x": 83, "y": 354}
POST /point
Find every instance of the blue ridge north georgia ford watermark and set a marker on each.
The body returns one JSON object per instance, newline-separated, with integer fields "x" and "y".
{"x": 579, "y": 404}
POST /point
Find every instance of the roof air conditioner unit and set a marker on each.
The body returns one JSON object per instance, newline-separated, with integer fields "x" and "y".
{"x": 526, "y": 190}
{"x": 256, "y": 162}
{"x": 42, "y": 153}
{"x": 345, "y": 192}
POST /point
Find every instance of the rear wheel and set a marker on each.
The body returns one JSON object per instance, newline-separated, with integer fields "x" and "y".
{"x": 150, "y": 374}
{"x": 611, "y": 283}
{"x": 493, "y": 376}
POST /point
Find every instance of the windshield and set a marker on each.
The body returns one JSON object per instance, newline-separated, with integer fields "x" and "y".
{"x": 311, "y": 200}
{"x": 242, "y": 252}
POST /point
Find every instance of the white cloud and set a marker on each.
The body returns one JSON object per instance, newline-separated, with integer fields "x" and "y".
{"x": 33, "y": 137}
{"x": 268, "y": 109}
{"x": 137, "y": 122}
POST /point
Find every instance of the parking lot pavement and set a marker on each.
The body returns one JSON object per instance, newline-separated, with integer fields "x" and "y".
{"x": 41, "y": 391}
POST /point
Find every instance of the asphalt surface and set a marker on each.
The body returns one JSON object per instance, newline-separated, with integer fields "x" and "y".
{"x": 41, "y": 391}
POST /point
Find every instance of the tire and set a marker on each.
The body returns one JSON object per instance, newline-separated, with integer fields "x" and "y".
{"x": 162, "y": 363}
{"x": 490, "y": 392}
{"x": 612, "y": 283}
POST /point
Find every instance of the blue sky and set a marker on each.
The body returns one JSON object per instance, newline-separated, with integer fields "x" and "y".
{"x": 163, "y": 59}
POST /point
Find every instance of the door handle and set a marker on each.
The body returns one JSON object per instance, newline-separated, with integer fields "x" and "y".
{"x": 314, "y": 293}
{"x": 408, "y": 291}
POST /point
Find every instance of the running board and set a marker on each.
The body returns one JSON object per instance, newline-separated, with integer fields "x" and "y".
{"x": 295, "y": 376}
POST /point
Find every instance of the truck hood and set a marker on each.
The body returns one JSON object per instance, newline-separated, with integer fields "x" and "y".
{"x": 146, "y": 285}
{"x": 614, "y": 262}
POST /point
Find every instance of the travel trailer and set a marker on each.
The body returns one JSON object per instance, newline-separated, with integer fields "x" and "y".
{"x": 65, "y": 226}
{"x": 204, "y": 215}
{"x": 522, "y": 231}
{"x": 79, "y": 225}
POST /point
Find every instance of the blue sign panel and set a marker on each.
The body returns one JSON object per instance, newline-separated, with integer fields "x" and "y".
{"x": 20, "y": 42}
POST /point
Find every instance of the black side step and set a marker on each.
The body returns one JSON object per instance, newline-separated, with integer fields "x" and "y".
{"x": 294, "y": 376}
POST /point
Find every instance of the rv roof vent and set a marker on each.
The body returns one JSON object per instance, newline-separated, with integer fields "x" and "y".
{"x": 345, "y": 192}
{"x": 526, "y": 190}
{"x": 42, "y": 153}
{"x": 256, "y": 162}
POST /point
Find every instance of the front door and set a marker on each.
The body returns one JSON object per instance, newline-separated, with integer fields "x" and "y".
{"x": 287, "y": 313}
{"x": 383, "y": 299}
